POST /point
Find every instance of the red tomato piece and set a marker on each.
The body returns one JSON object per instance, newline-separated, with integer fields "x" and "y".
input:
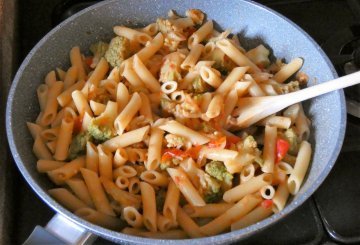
{"x": 170, "y": 153}
{"x": 282, "y": 147}
{"x": 193, "y": 152}
{"x": 216, "y": 143}
{"x": 267, "y": 203}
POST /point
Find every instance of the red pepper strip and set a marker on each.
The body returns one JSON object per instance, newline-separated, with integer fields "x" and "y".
{"x": 78, "y": 124}
{"x": 267, "y": 203}
{"x": 170, "y": 153}
{"x": 193, "y": 152}
{"x": 216, "y": 143}
{"x": 282, "y": 147}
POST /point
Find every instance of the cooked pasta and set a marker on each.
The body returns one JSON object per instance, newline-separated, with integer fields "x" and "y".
{"x": 140, "y": 138}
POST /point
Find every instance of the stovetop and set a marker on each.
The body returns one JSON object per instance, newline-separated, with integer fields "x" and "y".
{"x": 330, "y": 216}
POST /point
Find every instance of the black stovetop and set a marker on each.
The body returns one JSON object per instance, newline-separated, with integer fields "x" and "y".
{"x": 319, "y": 220}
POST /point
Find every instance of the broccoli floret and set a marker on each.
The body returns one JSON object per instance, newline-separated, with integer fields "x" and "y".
{"x": 291, "y": 137}
{"x": 118, "y": 51}
{"x": 213, "y": 197}
{"x": 99, "y": 130}
{"x": 78, "y": 145}
{"x": 210, "y": 188}
{"x": 98, "y": 49}
{"x": 218, "y": 170}
{"x": 160, "y": 199}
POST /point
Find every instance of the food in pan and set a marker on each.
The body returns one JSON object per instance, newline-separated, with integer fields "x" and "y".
{"x": 142, "y": 135}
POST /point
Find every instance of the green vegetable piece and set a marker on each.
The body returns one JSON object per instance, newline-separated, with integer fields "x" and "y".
{"x": 213, "y": 197}
{"x": 118, "y": 51}
{"x": 218, "y": 170}
{"x": 99, "y": 131}
{"x": 78, "y": 145}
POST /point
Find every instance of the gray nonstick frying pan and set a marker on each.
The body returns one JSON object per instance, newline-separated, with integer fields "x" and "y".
{"x": 254, "y": 24}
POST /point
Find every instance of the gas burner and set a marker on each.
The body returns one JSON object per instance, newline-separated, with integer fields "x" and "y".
{"x": 343, "y": 49}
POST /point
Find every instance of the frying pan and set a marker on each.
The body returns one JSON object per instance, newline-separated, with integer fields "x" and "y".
{"x": 254, "y": 23}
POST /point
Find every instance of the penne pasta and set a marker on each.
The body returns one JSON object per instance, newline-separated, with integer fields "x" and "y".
{"x": 100, "y": 218}
{"x": 258, "y": 214}
{"x": 249, "y": 187}
{"x": 207, "y": 211}
{"x": 236, "y": 212}
{"x": 185, "y": 186}
{"x": 60, "y": 175}
{"x": 79, "y": 188}
{"x": 96, "y": 192}
{"x": 133, "y": 217}
{"x": 124, "y": 118}
{"x": 301, "y": 165}
{"x": 174, "y": 127}
{"x": 67, "y": 199}
{"x": 149, "y": 206}
{"x": 145, "y": 75}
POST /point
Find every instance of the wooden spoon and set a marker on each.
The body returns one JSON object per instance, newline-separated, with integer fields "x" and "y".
{"x": 253, "y": 109}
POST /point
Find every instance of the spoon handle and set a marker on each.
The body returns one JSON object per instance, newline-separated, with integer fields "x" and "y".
{"x": 323, "y": 88}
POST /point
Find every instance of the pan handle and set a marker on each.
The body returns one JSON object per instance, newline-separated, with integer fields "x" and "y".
{"x": 60, "y": 230}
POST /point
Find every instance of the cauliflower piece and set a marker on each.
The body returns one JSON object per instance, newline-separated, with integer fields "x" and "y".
{"x": 199, "y": 86}
{"x": 218, "y": 170}
{"x": 189, "y": 108}
{"x": 78, "y": 145}
{"x": 98, "y": 49}
{"x": 289, "y": 87}
{"x": 167, "y": 105}
{"x": 100, "y": 129}
{"x": 291, "y": 137}
{"x": 259, "y": 55}
{"x": 118, "y": 51}
{"x": 196, "y": 15}
{"x": 173, "y": 34}
{"x": 171, "y": 70}
{"x": 250, "y": 143}
{"x": 175, "y": 141}
{"x": 166, "y": 26}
